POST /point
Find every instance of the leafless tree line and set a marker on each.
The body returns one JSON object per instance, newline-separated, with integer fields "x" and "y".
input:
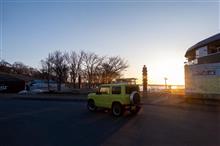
{"x": 76, "y": 68}
{"x": 19, "y": 68}
{"x": 82, "y": 67}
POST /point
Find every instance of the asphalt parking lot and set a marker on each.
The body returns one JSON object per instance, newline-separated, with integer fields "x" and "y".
{"x": 65, "y": 123}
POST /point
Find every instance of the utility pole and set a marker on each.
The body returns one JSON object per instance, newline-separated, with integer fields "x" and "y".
{"x": 145, "y": 81}
{"x": 165, "y": 79}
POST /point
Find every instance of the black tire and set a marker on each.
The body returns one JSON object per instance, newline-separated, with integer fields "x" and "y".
{"x": 117, "y": 109}
{"x": 135, "y": 98}
{"x": 91, "y": 105}
{"x": 136, "y": 110}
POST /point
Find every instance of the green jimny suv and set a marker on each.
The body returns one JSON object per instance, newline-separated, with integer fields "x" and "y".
{"x": 117, "y": 97}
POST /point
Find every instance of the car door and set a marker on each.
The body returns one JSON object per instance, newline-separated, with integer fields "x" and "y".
{"x": 103, "y": 97}
{"x": 116, "y": 93}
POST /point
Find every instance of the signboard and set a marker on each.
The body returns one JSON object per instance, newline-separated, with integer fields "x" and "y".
{"x": 3, "y": 87}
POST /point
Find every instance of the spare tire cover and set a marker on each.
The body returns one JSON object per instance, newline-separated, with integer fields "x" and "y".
{"x": 135, "y": 97}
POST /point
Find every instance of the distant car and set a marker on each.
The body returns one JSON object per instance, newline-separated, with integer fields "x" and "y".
{"x": 42, "y": 85}
{"x": 117, "y": 97}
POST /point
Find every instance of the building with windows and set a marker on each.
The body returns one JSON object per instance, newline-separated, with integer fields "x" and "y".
{"x": 202, "y": 69}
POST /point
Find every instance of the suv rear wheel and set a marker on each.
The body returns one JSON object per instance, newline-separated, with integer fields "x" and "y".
{"x": 91, "y": 105}
{"x": 117, "y": 109}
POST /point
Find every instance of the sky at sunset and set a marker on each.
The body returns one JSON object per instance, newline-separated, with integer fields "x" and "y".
{"x": 152, "y": 33}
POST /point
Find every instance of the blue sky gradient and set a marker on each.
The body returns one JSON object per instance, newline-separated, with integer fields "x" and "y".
{"x": 155, "y": 33}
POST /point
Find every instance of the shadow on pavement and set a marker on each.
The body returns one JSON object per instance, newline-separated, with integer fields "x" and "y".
{"x": 102, "y": 126}
{"x": 62, "y": 127}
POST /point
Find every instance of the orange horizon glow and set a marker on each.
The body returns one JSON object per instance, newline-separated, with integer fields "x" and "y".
{"x": 170, "y": 67}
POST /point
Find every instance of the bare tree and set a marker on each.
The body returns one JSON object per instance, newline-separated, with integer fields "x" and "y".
{"x": 47, "y": 69}
{"x": 20, "y": 68}
{"x": 92, "y": 68}
{"x": 59, "y": 67}
{"x": 75, "y": 65}
{"x": 92, "y": 62}
{"x": 112, "y": 68}
{"x": 5, "y": 66}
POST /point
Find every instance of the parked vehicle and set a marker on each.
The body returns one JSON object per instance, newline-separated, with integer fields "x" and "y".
{"x": 117, "y": 97}
{"x": 42, "y": 85}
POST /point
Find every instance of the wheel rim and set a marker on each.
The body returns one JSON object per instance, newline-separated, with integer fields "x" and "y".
{"x": 117, "y": 110}
{"x": 91, "y": 105}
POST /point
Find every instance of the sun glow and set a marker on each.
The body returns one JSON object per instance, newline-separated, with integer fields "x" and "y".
{"x": 173, "y": 73}
{"x": 172, "y": 69}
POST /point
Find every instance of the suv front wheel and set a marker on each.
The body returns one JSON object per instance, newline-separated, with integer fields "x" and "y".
{"x": 117, "y": 109}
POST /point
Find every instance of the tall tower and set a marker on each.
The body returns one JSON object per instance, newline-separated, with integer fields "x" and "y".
{"x": 144, "y": 73}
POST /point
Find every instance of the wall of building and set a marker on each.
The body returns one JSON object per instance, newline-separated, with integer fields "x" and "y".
{"x": 11, "y": 86}
{"x": 202, "y": 79}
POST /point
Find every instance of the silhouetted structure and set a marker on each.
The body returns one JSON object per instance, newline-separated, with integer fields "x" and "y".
{"x": 145, "y": 81}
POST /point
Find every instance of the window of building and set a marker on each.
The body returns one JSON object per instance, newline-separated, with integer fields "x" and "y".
{"x": 116, "y": 90}
{"x": 201, "y": 52}
{"x": 105, "y": 90}
{"x": 213, "y": 50}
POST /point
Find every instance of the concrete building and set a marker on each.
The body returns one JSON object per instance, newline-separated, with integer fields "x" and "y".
{"x": 202, "y": 69}
{"x": 10, "y": 84}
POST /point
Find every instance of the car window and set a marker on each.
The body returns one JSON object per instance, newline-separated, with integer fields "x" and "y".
{"x": 116, "y": 90}
{"x": 104, "y": 90}
{"x": 130, "y": 89}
